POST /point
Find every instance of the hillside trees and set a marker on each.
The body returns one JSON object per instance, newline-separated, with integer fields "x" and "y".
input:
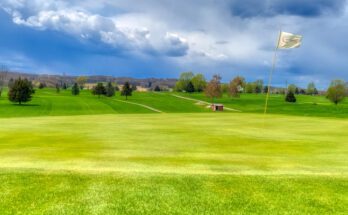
{"x": 126, "y": 90}
{"x": 236, "y": 86}
{"x": 75, "y": 90}
{"x": 337, "y": 91}
{"x": 213, "y": 89}
{"x": 21, "y": 91}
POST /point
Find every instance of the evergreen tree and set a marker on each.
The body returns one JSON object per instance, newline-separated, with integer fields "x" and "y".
{"x": 65, "y": 86}
{"x": 110, "y": 90}
{"x": 20, "y": 91}
{"x": 10, "y": 83}
{"x": 290, "y": 97}
{"x": 42, "y": 85}
{"x": 99, "y": 90}
{"x": 126, "y": 90}
{"x": 190, "y": 88}
{"x": 57, "y": 88}
{"x": 75, "y": 90}
{"x": 157, "y": 88}
{"x": 134, "y": 87}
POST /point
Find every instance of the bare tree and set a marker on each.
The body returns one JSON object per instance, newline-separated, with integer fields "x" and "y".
{"x": 236, "y": 86}
{"x": 213, "y": 89}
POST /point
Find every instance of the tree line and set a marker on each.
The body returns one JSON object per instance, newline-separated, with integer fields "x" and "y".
{"x": 189, "y": 82}
{"x": 21, "y": 90}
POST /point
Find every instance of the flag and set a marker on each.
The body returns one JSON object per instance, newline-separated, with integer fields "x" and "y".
{"x": 289, "y": 41}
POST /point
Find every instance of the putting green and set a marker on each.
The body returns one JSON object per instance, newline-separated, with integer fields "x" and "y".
{"x": 173, "y": 163}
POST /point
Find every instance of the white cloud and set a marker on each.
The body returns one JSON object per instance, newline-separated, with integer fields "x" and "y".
{"x": 198, "y": 33}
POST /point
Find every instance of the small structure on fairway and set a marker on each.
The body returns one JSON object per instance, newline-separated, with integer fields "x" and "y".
{"x": 217, "y": 107}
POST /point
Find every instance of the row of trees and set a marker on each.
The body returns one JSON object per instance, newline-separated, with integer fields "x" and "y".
{"x": 21, "y": 90}
{"x": 336, "y": 92}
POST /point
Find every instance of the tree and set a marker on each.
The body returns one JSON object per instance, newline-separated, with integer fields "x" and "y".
{"x": 199, "y": 82}
{"x": 65, "y": 86}
{"x": 311, "y": 89}
{"x": 21, "y": 91}
{"x": 236, "y": 86}
{"x": 57, "y": 88}
{"x": 337, "y": 91}
{"x": 297, "y": 91}
{"x": 126, "y": 90}
{"x": 99, "y": 90}
{"x": 3, "y": 75}
{"x": 42, "y": 85}
{"x": 258, "y": 86}
{"x": 290, "y": 97}
{"x": 10, "y": 83}
{"x": 75, "y": 90}
{"x": 81, "y": 81}
{"x": 249, "y": 87}
{"x": 157, "y": 89}
{"x": 265, "y": 89}
{"x": 213, "y": 89}
{"x": 292, "y": 88}
{"x": 190, "y": 88}
{"x": 110, "y": 90}
{"x": 134, "y": 87}
{"x": 182, "y": 83}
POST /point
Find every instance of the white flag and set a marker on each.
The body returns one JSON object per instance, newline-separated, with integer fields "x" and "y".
{"x": 289, "y": 41}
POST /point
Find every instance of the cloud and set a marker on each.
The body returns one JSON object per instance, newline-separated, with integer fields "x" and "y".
{"x": 175, "y": 45}
{"x": 308, "y": 8}
{"x": 229, "y": 37}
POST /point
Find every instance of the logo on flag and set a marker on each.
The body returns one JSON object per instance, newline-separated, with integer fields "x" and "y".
{"x": 289, "y": 41}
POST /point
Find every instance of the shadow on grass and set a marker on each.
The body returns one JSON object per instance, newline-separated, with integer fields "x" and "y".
{"x": 26, "y": 105}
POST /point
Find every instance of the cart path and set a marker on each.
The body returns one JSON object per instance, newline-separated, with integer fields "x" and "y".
{"x": 142, "y": 105}
{"x": 203, "y": 102}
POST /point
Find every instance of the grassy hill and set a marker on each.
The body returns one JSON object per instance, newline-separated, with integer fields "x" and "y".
{"x": 46, "y": 102}
{"x": 162, "y": 154}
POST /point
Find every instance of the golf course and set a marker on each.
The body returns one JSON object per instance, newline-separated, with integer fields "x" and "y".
{"x": 167, "y": 153}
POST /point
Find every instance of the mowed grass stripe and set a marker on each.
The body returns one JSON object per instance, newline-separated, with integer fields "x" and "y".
{"x": 72, "y": 193}
{"x": 177, "y": 143}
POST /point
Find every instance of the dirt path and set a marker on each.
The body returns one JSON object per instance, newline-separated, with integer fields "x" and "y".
{"x": 145, "y": 106}
{"x": 203, "y": 102}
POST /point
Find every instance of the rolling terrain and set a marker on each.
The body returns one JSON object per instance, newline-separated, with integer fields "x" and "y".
{"x": 64, "y": 154}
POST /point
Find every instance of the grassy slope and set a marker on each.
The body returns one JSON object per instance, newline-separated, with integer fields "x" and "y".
{"x": 47, "y": 102}
{"x": 305, "y": 106}
{"x": 184, "y": 163}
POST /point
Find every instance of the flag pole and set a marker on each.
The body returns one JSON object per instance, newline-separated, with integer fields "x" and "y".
{"x": 271, "y": 72}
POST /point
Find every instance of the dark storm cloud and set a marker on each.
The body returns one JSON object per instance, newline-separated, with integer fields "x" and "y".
{"x": 304, "y": 8}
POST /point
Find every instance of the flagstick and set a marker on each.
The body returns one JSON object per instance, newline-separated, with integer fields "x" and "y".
{"x": 271, "y": 73}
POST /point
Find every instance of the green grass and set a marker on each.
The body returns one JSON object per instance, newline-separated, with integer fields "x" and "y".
{"x": 173, "y": 163}
{"x": 46, "y": 102}
{"x": 305, "y": 105}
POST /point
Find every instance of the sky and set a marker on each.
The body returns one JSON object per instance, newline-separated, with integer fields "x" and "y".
{"x": 162, "y": 38}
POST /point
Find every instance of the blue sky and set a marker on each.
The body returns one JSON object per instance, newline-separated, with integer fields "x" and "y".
{"x": 161, "y": 38}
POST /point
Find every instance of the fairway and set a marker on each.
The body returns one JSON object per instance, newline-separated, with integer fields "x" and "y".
{"x": 186, "y": 163}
